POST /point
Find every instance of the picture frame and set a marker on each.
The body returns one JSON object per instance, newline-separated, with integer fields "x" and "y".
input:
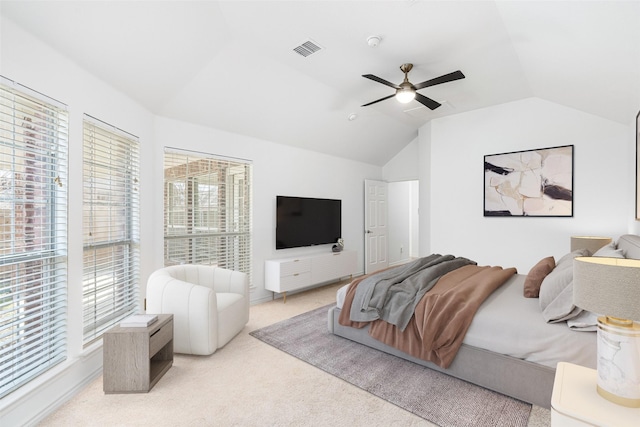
{"x": 638, "y": 166}
{"x": 529, "y": 183}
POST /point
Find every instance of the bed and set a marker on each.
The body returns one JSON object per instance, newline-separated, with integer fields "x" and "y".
{"x": 512, "y": 344}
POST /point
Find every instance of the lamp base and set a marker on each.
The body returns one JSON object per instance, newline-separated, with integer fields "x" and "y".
{"x": 619, "y": 362}
{"x": 623, "y": 401}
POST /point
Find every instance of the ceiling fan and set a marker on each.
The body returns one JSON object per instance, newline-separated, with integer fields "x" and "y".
{"x": 406, "y": 91}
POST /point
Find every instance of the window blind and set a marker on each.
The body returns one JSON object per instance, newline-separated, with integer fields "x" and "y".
{"x": 33, "y": 227}
{"x": 110, "y": 282}
{"x": 207, "y": 210}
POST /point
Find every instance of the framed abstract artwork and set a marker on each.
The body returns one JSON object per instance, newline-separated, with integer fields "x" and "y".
{"x": 638, "y": 166}
{"x": 534, "y": 183}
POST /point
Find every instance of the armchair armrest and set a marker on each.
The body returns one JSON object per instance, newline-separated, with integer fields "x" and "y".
{"x": 190, "y": 304}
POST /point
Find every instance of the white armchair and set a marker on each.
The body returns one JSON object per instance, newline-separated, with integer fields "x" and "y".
{"x": 210, "y": 305}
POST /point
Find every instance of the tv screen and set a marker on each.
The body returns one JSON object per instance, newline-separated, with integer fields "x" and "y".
{"x": 304, "y": 221}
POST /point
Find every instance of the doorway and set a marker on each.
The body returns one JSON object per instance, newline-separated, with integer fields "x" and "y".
{"x": 403, "y": 233}
{"x": 391, "y": 223}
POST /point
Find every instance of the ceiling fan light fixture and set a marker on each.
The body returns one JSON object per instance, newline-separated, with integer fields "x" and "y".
{"x": 405, "y": 95}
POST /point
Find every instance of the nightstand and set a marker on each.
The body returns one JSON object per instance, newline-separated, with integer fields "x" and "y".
{"x": 575, "y": 401}
{"x": 134, "y": 359}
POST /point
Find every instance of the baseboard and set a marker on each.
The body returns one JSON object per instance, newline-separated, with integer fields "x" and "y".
{"x": 33, "y": 402}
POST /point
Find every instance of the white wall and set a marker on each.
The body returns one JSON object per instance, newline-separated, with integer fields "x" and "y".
{"x": 403, "y": 225}
{"x": 402, "y": 173}
{"x": 32, "y": 63}
{"x": 277, "y": 170}
{"x": 404, "y": 166}
{"x": 399, "y": 225}
{"x": 414, "y": 237}
{"x": 424, "y": 177}
{"x": 602, "y": 179}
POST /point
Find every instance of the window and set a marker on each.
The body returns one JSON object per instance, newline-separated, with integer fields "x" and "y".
{"x": 207, "y": 211}
{"x": 33, "y": 233}
{"x": 110, "y": 282}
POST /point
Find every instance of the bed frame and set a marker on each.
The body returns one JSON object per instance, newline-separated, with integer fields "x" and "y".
{"x": 523, "y": 380}
{"x": 517, "y": 378}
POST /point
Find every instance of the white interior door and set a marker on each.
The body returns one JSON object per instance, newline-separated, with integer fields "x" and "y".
{"x": 376, "y": 227}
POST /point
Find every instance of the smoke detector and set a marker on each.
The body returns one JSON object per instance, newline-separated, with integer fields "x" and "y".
{"x": 374, "y": 41}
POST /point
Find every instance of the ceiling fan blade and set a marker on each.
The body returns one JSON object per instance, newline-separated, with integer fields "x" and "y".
{"x": 456, "y": 75}
{"x": 378, "y": 100}
{"x": 427, "y": 102}
{"x": 379, "y": 80}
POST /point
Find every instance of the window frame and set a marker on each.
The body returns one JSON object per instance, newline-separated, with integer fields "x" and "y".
{"x": 111, "y": 241}
{"x": 207, "y": 230}
{"x": 33, "y": 324}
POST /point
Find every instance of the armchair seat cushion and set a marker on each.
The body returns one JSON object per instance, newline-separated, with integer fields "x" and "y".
{"x": 210, "y": 305}
{"x": 231, "y": 317}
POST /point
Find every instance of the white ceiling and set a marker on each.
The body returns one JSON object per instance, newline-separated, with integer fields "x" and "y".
{"x": 231, "y": 65}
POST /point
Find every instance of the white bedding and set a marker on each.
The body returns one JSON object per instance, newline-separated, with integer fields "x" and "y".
{"x": 510, "y": 324}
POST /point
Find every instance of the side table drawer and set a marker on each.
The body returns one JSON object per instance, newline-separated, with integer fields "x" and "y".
{"x": 295, "y": 281}
{"x": 160, "y": 338}
{"x": 295, "y": 266}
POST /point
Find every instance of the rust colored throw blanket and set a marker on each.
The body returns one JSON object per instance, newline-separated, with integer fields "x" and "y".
{"x": 441, "y": 318}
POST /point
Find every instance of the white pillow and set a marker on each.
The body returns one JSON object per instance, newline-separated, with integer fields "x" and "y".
{"x": 609, "y": 251}
{"x": 556, "y": 291}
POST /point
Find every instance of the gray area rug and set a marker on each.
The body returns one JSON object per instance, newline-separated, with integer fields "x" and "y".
{"x": 434, "y": 396}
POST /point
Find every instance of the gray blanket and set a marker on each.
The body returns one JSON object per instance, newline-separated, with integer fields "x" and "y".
{"x": 393, "y": 294}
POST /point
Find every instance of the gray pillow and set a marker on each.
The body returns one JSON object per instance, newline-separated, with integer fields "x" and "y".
{"x": 556, "y": 290}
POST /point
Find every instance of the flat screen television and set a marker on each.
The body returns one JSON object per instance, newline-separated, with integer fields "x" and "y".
{"x": 306, "y": 221}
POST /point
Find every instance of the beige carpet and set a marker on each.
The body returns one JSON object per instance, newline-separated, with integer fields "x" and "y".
{"x": 246, "y": 383}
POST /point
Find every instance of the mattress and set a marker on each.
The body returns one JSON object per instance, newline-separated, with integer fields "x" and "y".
{"x": 510, "y": 324}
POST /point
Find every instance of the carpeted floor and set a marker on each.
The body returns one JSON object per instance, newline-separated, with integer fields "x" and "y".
{"x": 246, "y": 383}
{"x": 436, "y": 397}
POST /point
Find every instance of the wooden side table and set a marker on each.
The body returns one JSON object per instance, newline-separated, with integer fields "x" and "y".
{"x": 134, "y": 359}
{"x": 575, "y": 401}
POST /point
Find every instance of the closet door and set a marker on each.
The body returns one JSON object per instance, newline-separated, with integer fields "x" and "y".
{"x": 376, "y": 227}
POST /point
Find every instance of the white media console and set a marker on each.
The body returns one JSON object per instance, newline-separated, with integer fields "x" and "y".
{"x": 290, "y": 274}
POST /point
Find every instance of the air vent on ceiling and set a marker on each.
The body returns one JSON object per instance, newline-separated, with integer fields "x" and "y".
{"x": 307, "y": 48}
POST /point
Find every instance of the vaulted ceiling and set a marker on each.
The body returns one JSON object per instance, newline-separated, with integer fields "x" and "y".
{"x": 231, "y": 65}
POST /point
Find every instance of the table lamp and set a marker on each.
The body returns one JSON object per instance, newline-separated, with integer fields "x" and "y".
{"x": 610, "y": 287}
{"x": 592, "y": 243}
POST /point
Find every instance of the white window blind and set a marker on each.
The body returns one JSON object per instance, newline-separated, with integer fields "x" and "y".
{"x": 33, "y": 228}
{"x": 110, "y": 282}
{"x": 207, "y": 210}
